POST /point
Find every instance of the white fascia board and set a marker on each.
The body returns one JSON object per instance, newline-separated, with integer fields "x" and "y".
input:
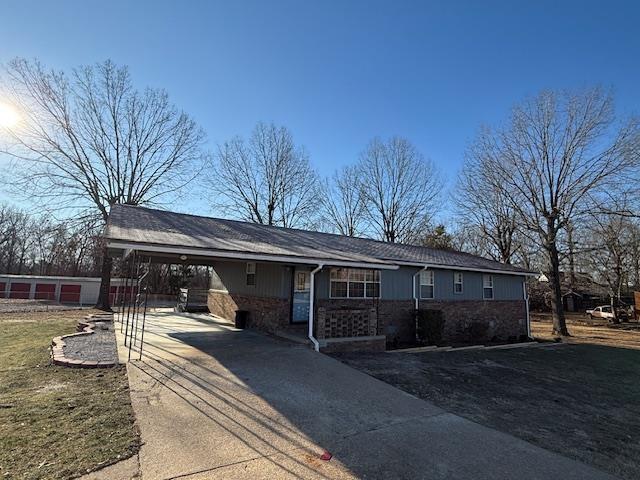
{"x": 468, "y": 269}
{"x": 249, "y": 256}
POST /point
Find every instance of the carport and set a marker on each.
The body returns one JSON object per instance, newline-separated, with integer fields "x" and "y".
{"x": 142, "y": 237}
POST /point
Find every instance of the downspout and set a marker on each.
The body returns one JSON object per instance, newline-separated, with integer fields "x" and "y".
{"x": 526, "y": 301}
{"x": 416, "y": 299}
{"x": 415, "y": 290}
{"x": 316, "y": 345}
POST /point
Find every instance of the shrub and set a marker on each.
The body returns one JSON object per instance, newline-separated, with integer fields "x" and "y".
{"x": 477, "y": 331}
{"x": 430, "y": 326}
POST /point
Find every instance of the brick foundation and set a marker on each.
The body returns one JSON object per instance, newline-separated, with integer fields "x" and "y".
{"x": 265, "y": 313}
{"x": 473, "y": 321}
{"x": 465, "y": 321}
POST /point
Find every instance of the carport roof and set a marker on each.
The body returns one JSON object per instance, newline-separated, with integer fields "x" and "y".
{"x": 146, "y": 229}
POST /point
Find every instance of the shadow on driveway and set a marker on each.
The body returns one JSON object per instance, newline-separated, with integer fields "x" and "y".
{"x": 213, "y": 402}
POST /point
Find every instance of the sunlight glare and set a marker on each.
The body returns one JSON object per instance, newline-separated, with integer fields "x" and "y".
{"x": 8, "y": 116}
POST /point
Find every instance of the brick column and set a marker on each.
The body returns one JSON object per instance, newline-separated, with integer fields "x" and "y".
{"x": 320, "y": 322}
{"x": 373, "y": 322}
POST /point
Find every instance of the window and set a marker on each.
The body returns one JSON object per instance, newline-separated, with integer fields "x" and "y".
{"x": 426, "y": 284}
{"x": 354, "y": 283}
{"x": 487, "y": 287}
{"x": 251, "y": 274}
{"x": 457, "y": 282}
{"x": 302, "y": 282}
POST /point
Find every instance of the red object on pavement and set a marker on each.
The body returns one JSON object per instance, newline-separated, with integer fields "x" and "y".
{"x": 326, "y": 456}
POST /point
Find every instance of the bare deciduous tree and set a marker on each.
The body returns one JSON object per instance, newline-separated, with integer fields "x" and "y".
{"x": 560, "y": 157}
{"x": 267, "y": 179}
{"x": 610, "y": 254}
{"x": 483, "y": 208}
{"x": 400, "y": 189}
{"x": 40, "y": 245}
{"x": 342, "y": 202}
{"x": 89, "y": 140}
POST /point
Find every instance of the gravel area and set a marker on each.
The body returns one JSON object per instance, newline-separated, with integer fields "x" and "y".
{"x": 14, "y": 305}
{"x": 99, "y": 346}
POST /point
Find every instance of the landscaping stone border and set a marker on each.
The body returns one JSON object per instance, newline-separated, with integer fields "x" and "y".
{"x": 85, "y": 327}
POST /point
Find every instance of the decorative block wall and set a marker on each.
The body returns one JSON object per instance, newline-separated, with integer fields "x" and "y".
{"x": 344, "y": 323}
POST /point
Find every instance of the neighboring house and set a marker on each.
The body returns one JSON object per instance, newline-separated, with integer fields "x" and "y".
{"x": 59, "y": 289}
{"x": 578, "y": 294}
{"x": 350, "y": 292}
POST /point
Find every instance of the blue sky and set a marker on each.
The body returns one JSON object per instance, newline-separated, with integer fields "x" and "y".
{"x": 338, "y": 73}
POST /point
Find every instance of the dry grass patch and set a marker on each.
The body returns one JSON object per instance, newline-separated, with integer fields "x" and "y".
{"x": 624, "y": 335}
{"x": 57, "y": 422}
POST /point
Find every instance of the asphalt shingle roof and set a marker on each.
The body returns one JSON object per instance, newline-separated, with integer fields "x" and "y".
{"x": 141, "y": 225}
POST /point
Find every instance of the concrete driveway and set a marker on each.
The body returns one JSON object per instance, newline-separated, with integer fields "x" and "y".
{"x": 213, "y": 402}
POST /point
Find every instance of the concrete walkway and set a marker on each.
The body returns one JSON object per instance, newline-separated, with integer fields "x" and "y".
{"x": 213, "y": 402}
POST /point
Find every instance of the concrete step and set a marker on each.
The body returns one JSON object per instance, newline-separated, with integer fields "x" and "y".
{"x": 293, "y": 336}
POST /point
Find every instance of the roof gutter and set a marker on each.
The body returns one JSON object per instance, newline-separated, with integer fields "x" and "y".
{"x": 470, "y": 269}
{"x": 249, "y": 256}
{"x": 312, "y": 291}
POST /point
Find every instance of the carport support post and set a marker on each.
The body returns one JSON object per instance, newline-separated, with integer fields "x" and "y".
{"x": 130, "y": 272}
{"x": 139, "y": 280}
{"x": 144, "y": 312}
{"x": 123, "y": 272}
{"x": 134, "y": 323}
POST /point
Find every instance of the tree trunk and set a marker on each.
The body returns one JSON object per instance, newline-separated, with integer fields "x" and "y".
{"x": 572, "y": 262}
{"x": 559, "y": 324}
{"x": 614, "y": 309}
{"x": 105, "y": 282}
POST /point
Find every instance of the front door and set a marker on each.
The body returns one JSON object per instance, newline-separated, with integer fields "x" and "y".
{"x": 301, "y": 295}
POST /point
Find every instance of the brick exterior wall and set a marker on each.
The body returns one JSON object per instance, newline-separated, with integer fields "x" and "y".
{"x": 494, "y": 320}
{"x": 484, "y": 320}
{"x": 265, "y": 313}
{"x": 465, "y": 321}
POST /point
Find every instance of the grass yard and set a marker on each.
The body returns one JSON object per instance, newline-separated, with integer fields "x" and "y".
{"x": 57, "y": 422}
{"x": 582, "y": 401}
{"x": 626, "y": 335}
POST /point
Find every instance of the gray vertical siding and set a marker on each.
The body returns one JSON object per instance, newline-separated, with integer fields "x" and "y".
{"x": 397, "y": 285}
{"x": 272, "y": 279}
{"x": 505, "y": 287}
{"x": 322, "y": 284}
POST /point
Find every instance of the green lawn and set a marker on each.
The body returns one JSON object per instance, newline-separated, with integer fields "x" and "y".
{"x": 57, "y": 422}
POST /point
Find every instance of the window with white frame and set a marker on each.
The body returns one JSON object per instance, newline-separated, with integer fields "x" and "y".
{"x": 457, "y": 282}
{"x": 251, "y": 274}
{"x": 487, "y": 287}
{"x": 354, "y": 283}
{"x": 426, "y": 284}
